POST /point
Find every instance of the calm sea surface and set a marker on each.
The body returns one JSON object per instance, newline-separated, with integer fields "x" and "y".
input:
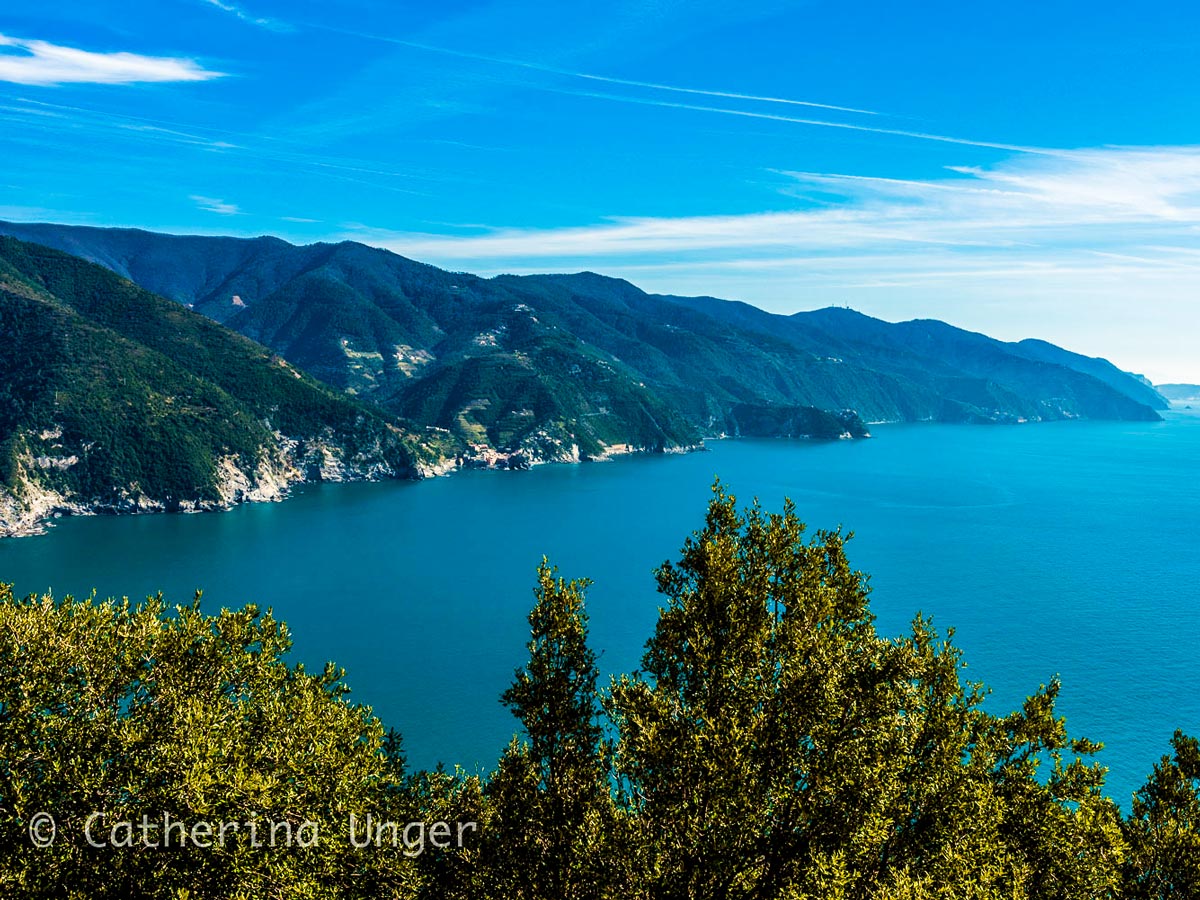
{"x": 1068, "y": 548}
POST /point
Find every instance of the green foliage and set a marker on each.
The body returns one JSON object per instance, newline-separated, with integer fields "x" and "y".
{"x": 141, "y": 709}
{"x": 773, "y": 745}
{"x": 553, "y": 810}
{"x": 776, "y": 746}
{"x": 1164, "y": 829}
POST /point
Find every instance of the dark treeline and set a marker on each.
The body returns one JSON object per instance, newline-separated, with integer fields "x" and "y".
{"x": 772, "y": 745}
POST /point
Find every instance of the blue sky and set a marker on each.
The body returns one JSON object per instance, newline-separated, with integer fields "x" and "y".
{"x": 1022, "y": 169}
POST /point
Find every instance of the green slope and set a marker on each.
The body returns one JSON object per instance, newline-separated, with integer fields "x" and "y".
{"x": 113, "y": 399}
{"x": 546, "y": 398}
{"x": 436, "y": 346}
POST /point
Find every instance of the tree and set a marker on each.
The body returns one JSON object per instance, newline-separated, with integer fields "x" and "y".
{"x": 1164, "y": 827}
{"x": 774, "y": 745}
{"x": 141, "y": 709}
{"x": 550, "y": 808}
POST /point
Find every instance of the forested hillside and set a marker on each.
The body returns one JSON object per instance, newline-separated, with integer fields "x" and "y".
{"x": 112, "y": 399}
{"x": 377, "y": 324}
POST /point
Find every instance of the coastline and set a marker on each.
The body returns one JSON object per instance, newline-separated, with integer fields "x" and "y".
{"x": 33, "y": 518}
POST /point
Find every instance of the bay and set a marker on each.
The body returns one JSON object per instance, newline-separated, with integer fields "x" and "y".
{"x": 1064, "y": 549}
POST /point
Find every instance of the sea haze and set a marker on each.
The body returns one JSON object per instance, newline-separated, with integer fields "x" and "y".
{"x": 1059, "y": 548}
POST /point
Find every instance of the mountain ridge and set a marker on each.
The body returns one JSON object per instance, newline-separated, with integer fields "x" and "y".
{"x": 115, "y": 400}
{"x": 1180, "y": 393}
{"x": 518, "y": 368}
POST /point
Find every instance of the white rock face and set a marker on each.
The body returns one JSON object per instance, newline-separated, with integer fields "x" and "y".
{"x": 442, "y": 467}
{"x": 26, "y": 506}
{"x": 30, "y": 501}
{"x": 56, "y": 462}
{"x": 269, "y": 482}
{"x": 27, "y": 514}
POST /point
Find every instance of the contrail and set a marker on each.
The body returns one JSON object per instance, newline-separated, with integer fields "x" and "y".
{"x": 523, "y": 64}
{"x": 823, "y": 123}
{"x": 723, "y": 94}
{"x": 554, "y": 70}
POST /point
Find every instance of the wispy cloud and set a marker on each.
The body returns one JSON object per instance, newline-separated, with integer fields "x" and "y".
{"x": 261, "y": 21}
{"x": 42, "y": 63}
{"x": 66, "y": 124}
{"x": 1106, "y": 195}
{"x": 214, "y": 205}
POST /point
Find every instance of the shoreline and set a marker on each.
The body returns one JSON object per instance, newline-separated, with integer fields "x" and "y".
{"x": 18, "y": 522}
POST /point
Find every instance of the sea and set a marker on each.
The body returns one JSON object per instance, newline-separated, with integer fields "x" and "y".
{"x": 1068, "y": 549}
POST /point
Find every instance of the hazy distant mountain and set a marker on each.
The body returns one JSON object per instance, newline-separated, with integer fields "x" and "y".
{"x": 539, "y": 364}
{"x": 1137, "y": 387}
{"x": 1180, "y": 393}
{"x": 113, "y": 399}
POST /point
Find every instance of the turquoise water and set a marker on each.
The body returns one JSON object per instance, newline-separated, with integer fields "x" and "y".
{"x": 1065, "y": 548}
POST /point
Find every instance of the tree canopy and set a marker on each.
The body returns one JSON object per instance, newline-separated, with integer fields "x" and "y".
{"x": 772, "y": 744}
